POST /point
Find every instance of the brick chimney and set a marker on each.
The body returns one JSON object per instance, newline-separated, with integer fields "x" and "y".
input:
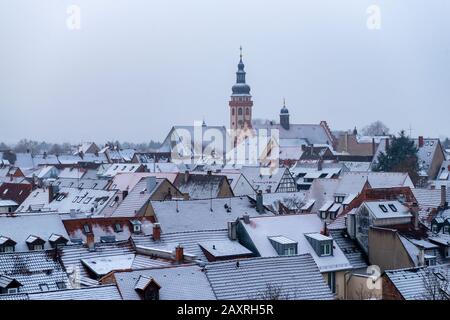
{"x": 156, "y": 231}
{"x": 179, "y": 254}
{"x": 415, "y": 212}
{"x": 90, "y": 241}
{"x": 443, "y": 196}
{"x": 421, "y": 142}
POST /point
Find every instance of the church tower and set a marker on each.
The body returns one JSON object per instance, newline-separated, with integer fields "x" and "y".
{"x": 284, "y": 116}
{"x": 241, "y": 101}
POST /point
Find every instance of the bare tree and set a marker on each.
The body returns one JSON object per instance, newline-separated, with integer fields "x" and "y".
{"x": 271, "y": 292}
{"x": 436, "y": 284}
{"x": 376, "y": 128}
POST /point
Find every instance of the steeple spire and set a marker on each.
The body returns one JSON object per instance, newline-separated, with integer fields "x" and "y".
{"x": 240, "y": 49}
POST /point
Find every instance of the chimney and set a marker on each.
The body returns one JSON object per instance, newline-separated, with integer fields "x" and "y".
{"x": 209, "y": 172}
{"x": 90, "y": 241}
{"x": 374, "y": 148}
{"x": 179, "y": 254}
{"x": 151, "y": 184}
{"x": 443, "y": 196}
{"x": 387, "y": 143}
{"x": 186, "y": 176}
{"x": 320, "y": 164}
{"x": 232, "y": 230}
{"x": 156, "y": 231}
{"x": 51, "y": 193}
{"x": 325, "y": 231}
{"x": 415, "y": 213}
{"x": 259, "y": 202}
{"x": 246, "y": 218}
{"x": 421, "y": 141}
{"x": 421, "y": 257}
{"x": 73, "y": 213}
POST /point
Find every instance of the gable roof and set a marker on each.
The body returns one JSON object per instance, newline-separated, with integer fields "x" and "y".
{"x": 296, "y": 277}
{"x": 177, "y": 283}
{"x": 195, "y": 215}
{"x": 200, "y": 186}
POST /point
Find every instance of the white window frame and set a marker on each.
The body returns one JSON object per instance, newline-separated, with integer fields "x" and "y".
{"x": 38, "y": 247}
{"x": 326, "y": 252}
{"x": 13, "y": 290}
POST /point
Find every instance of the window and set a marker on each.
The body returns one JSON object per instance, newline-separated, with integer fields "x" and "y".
{"x": 289, "y": 251}
{"x": 332, "y": 281}
{"x": 86, "y": 228}
{"x": 43, "y": 287}
{"x": 13, "y": 290}
{"x": 75, "y": 199}
{"x": 5, "y": 192}
{"x": 137, "y": 228}
{"x": 240, "y": 111}
{"x": 8, "y": 249}
{"x": 87, "y": 200}
{"x": 247, "y": 111}
{"x": 117, "y": 227}
{"x": 60, "y": 197}
{"x": 232, "y": 112}
{"x": 61, "y": 285}
{"x": 430, "y": 261}
{"x": 434, "y": 228}
{"x": 383, "y": 208}
{"x": 393, "y": 208}
{"x": 37, "y": 247}
{"x": 326, "y": 249}
{"x": 446, "y": 229}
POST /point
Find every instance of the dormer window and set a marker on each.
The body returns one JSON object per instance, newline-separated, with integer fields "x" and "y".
{"x": 322, "y": 245}
{"x": 446, "y": 229}
{"x": 284, "y": 246}
{"x": 35, "y": 243}
{"x": 9, "y": 285}
{"x": 136, "y": 225}
{"x": 434, "y": 228}
{"x": 56, "y": 240}
{"x": 7, "y": 245}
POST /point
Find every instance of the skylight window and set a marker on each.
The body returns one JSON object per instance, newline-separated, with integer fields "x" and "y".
{"x": 75, "y": 199}
{"x": 86, "y": 228}
{"x": 393, "y": 207}
{"x": 117, "y": 227}
{"x": 43, "y": 287}
{"x": 5, "y": 192}
{"x": 383, "y": 208}
{"x": 61, "y": 285}
{"x": 87, "y": 200}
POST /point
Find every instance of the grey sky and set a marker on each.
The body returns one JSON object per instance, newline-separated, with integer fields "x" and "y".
{"x": 138, "y": 67}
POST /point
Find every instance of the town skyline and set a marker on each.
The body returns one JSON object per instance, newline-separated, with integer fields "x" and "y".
{"x": 330, "y": 68}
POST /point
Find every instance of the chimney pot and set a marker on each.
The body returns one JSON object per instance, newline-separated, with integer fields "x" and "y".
{"x": 246, "y": 218}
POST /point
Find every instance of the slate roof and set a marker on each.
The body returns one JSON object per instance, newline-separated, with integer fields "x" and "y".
{"x": 195, "y": 215}
{"x": 411, "y": 283}
{"x": 177, "y": 283}
{"x": 297, "y": 278}
{"x": 200, "y": 186}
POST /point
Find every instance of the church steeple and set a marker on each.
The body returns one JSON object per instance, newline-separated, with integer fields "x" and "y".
{"x": 284, "y": 116}
{"x": 241, "y": 101}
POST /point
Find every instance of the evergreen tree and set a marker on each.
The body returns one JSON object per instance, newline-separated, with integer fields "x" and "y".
{"x": 400, "y": 156}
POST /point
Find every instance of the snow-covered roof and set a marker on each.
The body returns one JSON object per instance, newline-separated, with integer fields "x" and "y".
{"x": 19, "y": 227}
{"x": 413, "y": 283}
{"x": 7, "y": 203}
{"x": 293, "y": 277}
{"x": 104, "y": 292}
{"x": 178, "y": 283}
{"x": 117, "y": 168}
{"x": 103, "y": 265}
{"x": 294, "y": 227}
{"x": 387, "y": 209}
{"x": 192, "y": 215}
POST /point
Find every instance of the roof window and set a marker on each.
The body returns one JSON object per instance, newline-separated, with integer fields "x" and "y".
{"x": 383, "y": 208}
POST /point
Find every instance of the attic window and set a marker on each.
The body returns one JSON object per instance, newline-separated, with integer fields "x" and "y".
{"x": 383, "y": 208}
{"x": 5, "y": 192}
{"x": 13, "y": 290}
{"x": 325, "y": 249}
{"x": 60, "y": 197}
{"x": 393, "y": 208}
{"x": 75, "y": 199}
{"x": 35, "y": 195}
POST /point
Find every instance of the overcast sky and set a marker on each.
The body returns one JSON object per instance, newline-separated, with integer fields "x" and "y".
{"x": 135, "y": 68}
